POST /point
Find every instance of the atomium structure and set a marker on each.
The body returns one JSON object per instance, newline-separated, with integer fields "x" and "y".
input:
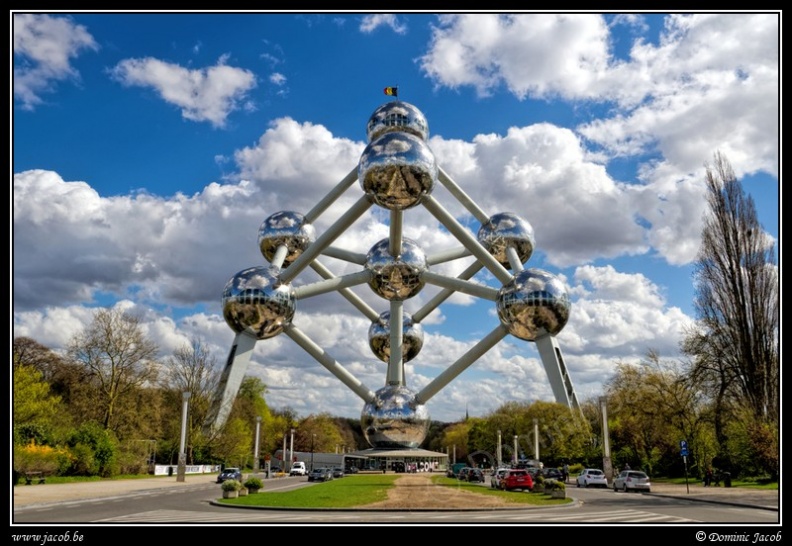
{"x": 397, "y": 171}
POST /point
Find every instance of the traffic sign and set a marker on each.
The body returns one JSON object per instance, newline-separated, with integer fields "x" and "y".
{"x": 683, "y": 448}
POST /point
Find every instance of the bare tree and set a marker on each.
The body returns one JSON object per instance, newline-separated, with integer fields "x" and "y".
{"x": 118, "y": 358}
{"x": 736, "y": 342}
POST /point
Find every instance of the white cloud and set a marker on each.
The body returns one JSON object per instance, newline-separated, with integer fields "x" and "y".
{"x": 209, "y": 94}
{"x": 43, "y": 49}
{"x": 370, "y": 23}
{"x": 520, "y": 52}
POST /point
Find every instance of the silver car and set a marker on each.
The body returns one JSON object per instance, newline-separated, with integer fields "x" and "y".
{"x": 632, "y": 480}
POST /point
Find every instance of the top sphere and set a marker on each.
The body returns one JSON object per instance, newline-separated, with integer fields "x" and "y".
{"x": 397, "y": 116}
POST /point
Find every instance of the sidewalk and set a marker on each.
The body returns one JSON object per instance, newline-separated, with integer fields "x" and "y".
{"x": 28, "y": 495}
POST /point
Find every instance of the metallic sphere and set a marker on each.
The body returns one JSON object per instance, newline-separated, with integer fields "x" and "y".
{"x": 256, "y": 303}
{"x": 397, "y": 170}
{"x": 397, "y": 116}
{"x": 394, "y": 419}
{"x": 285, "y": 228}
{"x": 379, "y": 337}
{"x": 532, "y": 304}
{"x": 396, "y": 278}
{"x": 504, "y": 230}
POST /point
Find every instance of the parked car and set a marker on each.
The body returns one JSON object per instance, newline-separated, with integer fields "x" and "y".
{"x": 475, "y": 475}
{"x": 463, "y": 473}
{"x": 352, "y": 470}
{"x": 298, "y": 469}
{"x": 496, "y": 477}
{"x": 320, "y": 474}
{"x": 338, "y": 472}
{"x": 553, "y": 474}
{"x": 632, "y": 480}
{"x": 516, "y": 479}
{"x": 592, "y": 477}
{"x": 230, "y": 474}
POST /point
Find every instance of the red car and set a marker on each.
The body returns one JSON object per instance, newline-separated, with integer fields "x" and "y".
{"x": 516, "y": 479}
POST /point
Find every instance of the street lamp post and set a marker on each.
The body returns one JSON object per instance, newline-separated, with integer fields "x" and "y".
{"x": 500, "y": 452}
{"x": 313, "y": 439}
{"x": 536, "y": 439}
{"x": 516, "y": 453}
{"x": 291, "y": 449}
{"x": 256, "y": 463}
{"x": 181, "y": 470}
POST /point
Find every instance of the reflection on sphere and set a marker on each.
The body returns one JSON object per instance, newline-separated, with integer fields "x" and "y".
{"x": 379, "y": 337}
{"x": 397, "y": 116}
{"x": 394, "y": 419}
{"x": 532, "y": 304}
{"x": 396, "y": 278}
{"x": 397, "y": 170}
{"x": 257, "y": 304}
{"x": 285, "y": 228}
{"x": 504, "y": 230}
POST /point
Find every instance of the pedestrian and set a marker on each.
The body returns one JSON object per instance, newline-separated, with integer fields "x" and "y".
{"x": 708, "y": 477}
{"x": 626, "y": 466}
{"x": 565, "y": 472}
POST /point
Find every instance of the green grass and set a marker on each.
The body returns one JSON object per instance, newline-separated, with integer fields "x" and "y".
{"x": 752, "y": 483}
{"x": 358, "y": 491}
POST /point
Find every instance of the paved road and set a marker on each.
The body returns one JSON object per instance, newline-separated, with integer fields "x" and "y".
{"x": 38, "y": 494}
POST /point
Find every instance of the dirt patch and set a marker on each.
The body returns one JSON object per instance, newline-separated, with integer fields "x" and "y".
{"x": 418, "y": 491}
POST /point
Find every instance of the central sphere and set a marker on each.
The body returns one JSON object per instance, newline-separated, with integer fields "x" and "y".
{"x": 397, "y": 170}
{"x": 394, "y": 419}
{"x": 285, "y": 228}
{"x": 379, "y": 337}
{"x": 396, "y": 278}
{"x": 255, "y": 302}
{"x": 532, "y": 304}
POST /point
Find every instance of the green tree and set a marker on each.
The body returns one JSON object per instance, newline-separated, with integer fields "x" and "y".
{"x": 36, "y": 412}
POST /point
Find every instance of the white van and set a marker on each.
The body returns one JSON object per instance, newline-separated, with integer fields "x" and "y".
{"x": 297, "y": 469}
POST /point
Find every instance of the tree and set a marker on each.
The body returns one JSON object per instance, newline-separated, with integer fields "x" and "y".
{"x": 192, "y": 369}
{"x": 736, "y": 342}
{"x": 118, "y": 357}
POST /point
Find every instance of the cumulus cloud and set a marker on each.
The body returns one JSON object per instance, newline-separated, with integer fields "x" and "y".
{"x": 209, "y": 94}
{"x": 44, "y": 47}
{"x": 370, "y": 23}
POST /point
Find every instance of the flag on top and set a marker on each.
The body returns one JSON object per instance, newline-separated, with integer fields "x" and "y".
{"x": 392, "y": 91}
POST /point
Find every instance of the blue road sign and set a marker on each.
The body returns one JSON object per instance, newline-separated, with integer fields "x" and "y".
{"x": 683, "y": 448}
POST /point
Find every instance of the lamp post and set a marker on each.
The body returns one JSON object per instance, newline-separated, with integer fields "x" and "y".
{"x": 256, "y": 463}
{"x": 313, "y": 439}
{"x": 516, "y": 454}
{"x": 536, "y": 439}
{"x": 291, "y": 449}
{"x": 500, "y": 452}
{"x": 284, "y": 454}
{"x": 182, "y": 454}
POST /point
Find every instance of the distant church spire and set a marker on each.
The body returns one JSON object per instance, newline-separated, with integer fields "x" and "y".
{"x": 467, "y": 415}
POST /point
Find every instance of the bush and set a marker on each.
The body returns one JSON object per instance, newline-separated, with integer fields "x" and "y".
{"x": 254, "y": 483}
{"x": 555, "y": 485}
{"x": 231, "y": 485}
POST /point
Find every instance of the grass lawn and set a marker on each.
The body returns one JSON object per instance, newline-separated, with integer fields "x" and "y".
{"x": 359, "y": 490}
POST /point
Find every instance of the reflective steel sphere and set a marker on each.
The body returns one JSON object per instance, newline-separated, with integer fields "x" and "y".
{"x": 379, "y": 337}
{"x": 397, "y": 116}
{"x": 506, "y": 229}
{"x": 285, "y": 228}
{"x": 397, "y": 170}
{"x": 396, "y": 278}
{"x": 256, "y": 303}
{"x": 394, "y": 419}
{"x": 533, "y": 303}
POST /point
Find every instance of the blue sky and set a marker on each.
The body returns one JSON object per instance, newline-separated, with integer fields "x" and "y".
{"x": 148, "y": 148}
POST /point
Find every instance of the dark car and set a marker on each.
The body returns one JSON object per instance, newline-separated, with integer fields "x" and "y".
{"x": 553, "y": 474}
{"x": 230, "y": 474}
{"x": 320, "y": 475}
{"x": 338, "y": 472}
{"x": 475, "y": 475}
